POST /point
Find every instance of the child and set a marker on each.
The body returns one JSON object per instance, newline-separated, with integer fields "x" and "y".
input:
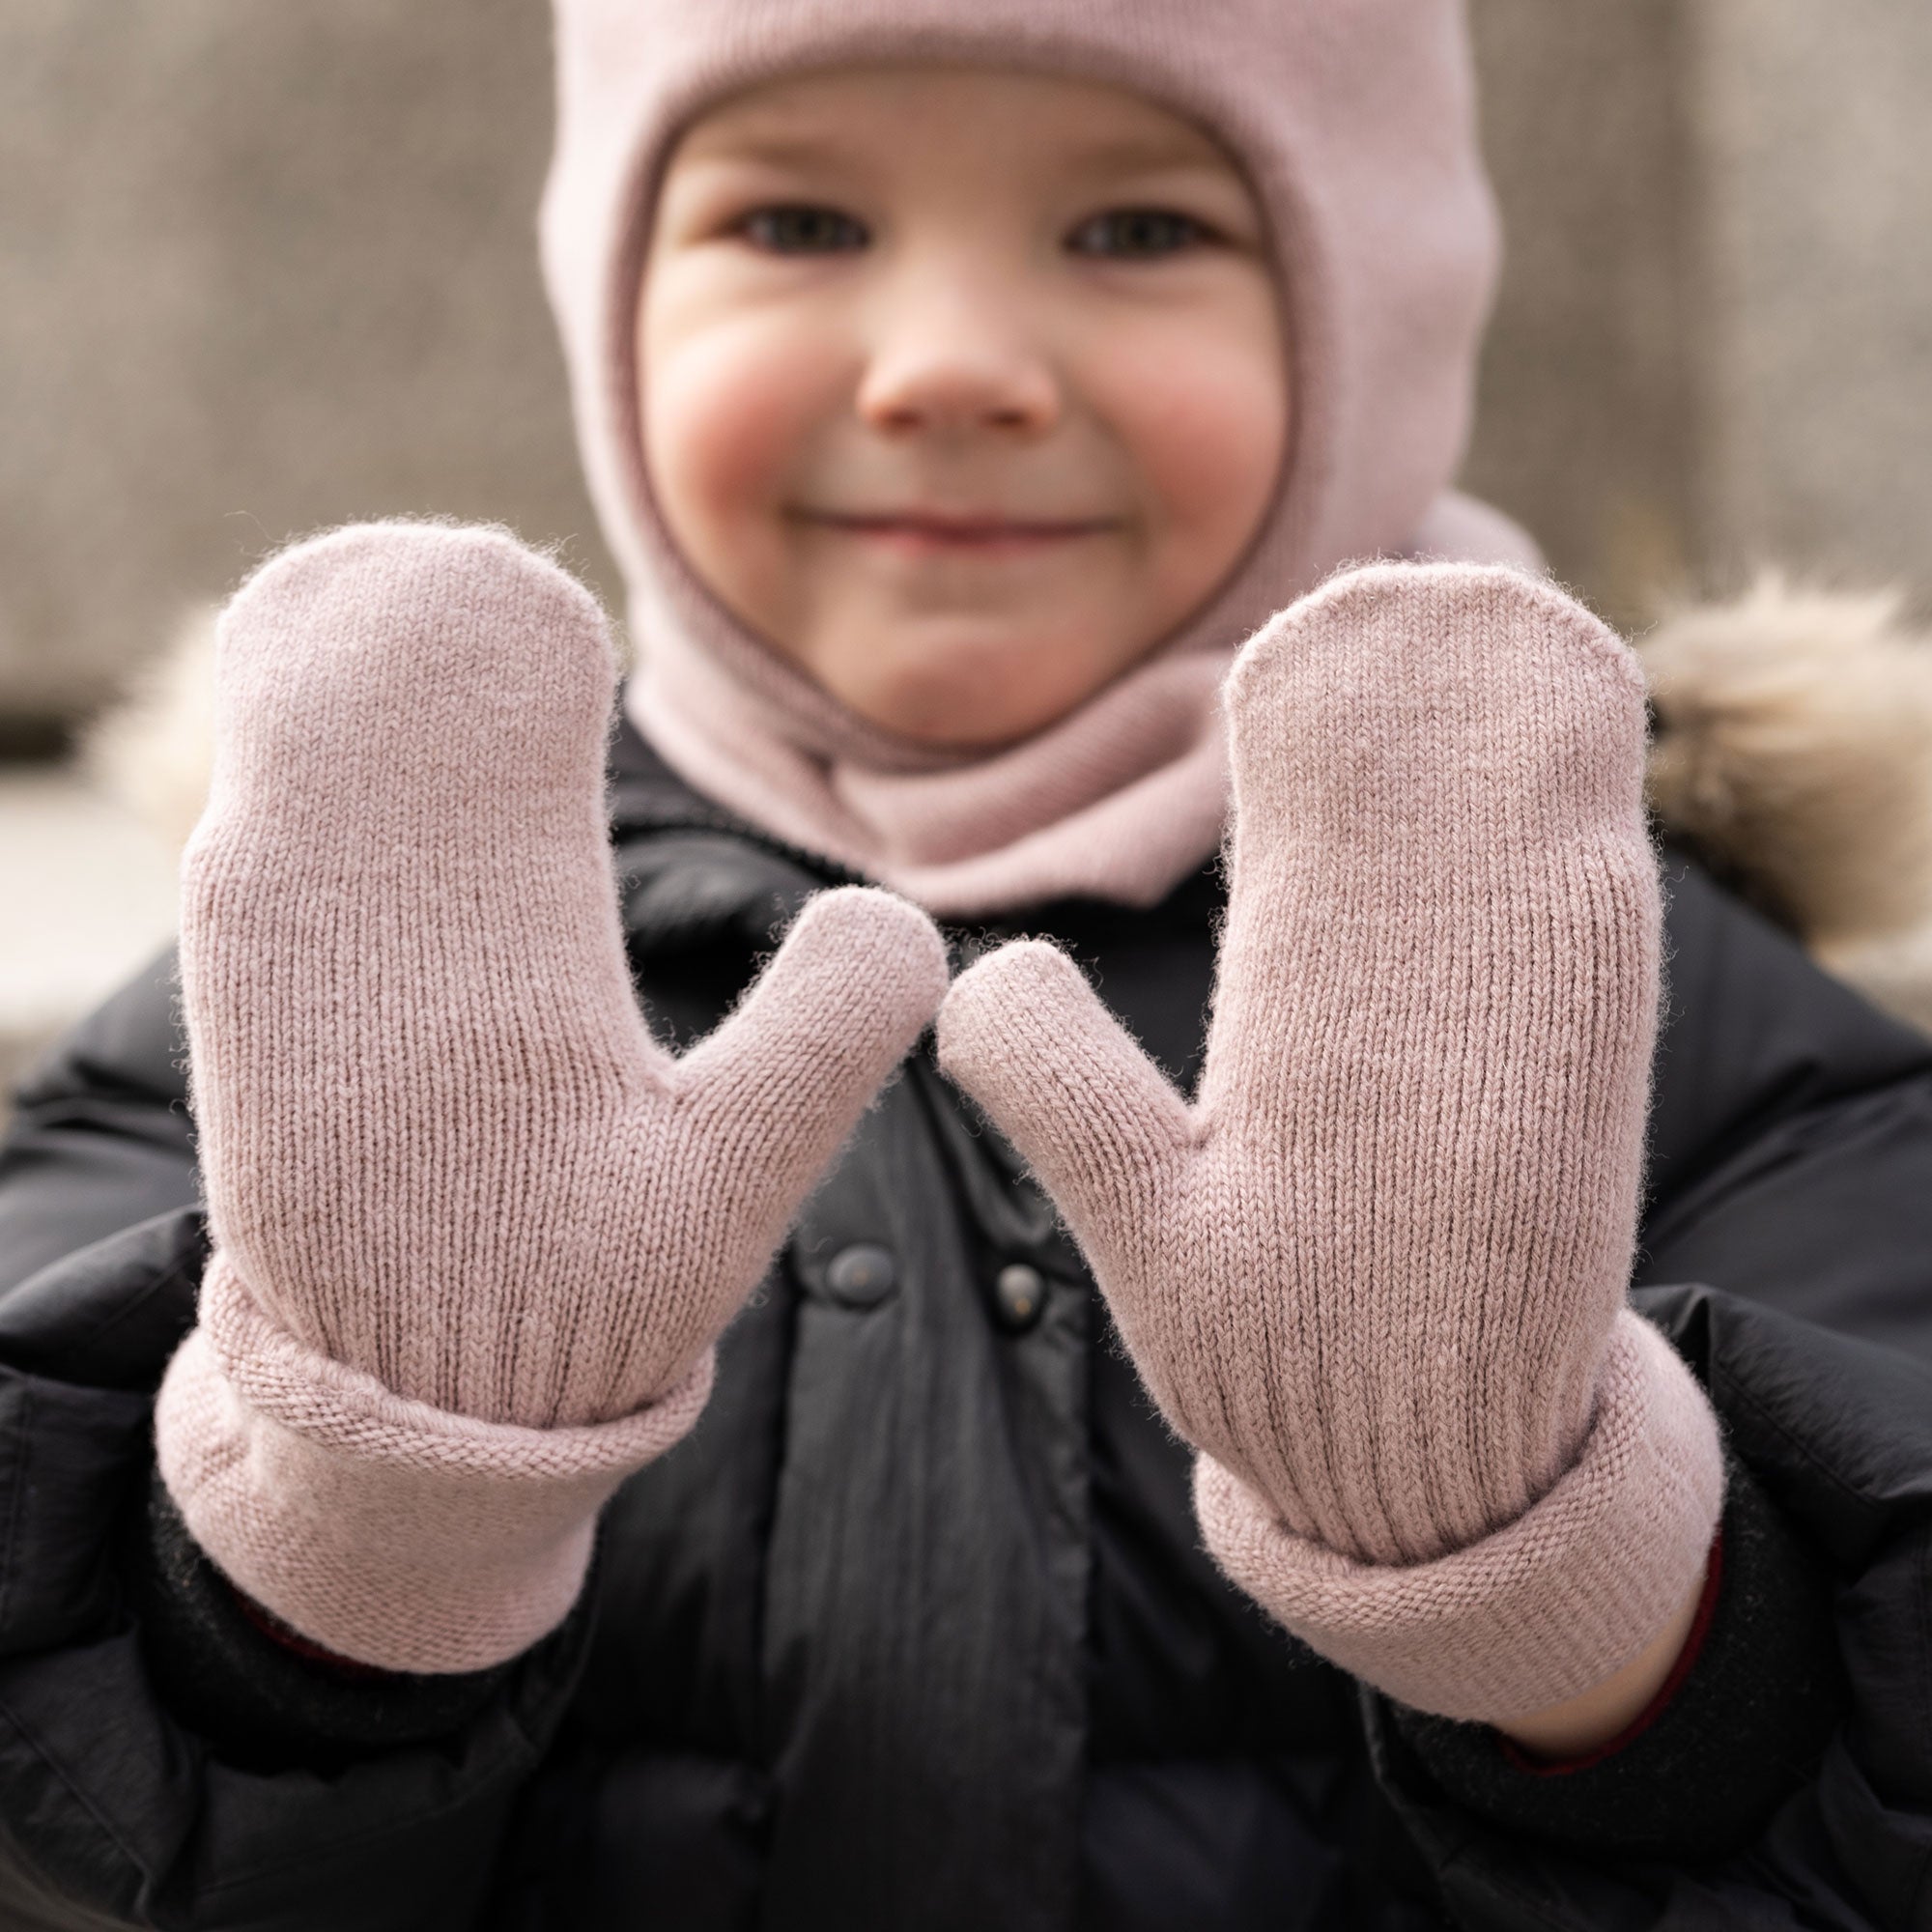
{"x": 960, "y": 389}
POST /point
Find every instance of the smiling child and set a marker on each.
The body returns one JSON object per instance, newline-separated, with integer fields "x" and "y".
{"x": 1143, "y": 1369}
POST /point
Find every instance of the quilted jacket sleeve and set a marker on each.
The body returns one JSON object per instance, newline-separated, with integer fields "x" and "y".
{"x": 134, "y": 1792}
{"x": 1838, "y": 1435}
{"x": 1792, "y": 1173}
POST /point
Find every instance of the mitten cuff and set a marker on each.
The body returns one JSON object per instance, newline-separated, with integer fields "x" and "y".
{"x": 1543, "y": 1608}
{"x": 383, "y": 1530}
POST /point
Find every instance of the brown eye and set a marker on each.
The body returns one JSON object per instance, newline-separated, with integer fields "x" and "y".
{"x": 803, "y": 230}
{"x": 1138, "y": 233}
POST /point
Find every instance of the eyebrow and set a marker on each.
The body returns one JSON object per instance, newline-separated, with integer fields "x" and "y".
{"x": 772, "y": 150}
{"x": 780, "y": 149}
{"x": 1135, "y": 156}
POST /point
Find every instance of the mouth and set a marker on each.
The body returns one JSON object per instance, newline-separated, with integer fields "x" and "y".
{"x": 955, "y": 533}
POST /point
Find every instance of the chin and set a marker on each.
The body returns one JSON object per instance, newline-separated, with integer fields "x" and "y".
{"x": 969, "y": 694}
{"x": 978, "y": 714}
{"x": 956, "y": 721}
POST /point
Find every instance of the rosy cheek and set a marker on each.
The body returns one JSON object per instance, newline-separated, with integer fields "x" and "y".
{"x": 731, "y": 414}
{"x": 1204, "y": 420}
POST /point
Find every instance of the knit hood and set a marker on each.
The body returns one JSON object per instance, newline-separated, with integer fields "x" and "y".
{"x": 1354, "y": 121}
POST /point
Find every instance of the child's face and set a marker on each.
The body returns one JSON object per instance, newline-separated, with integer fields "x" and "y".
{"x": 963, "y": 389}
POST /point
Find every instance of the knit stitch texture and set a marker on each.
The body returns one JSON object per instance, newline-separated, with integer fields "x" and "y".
{"x": 476, "y": 1230}
{"x": 1377, "y": 1272}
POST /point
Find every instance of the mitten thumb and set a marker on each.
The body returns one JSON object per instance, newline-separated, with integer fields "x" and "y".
{"x": 1024, "y": 1034}
{"x": 857, "y": 981}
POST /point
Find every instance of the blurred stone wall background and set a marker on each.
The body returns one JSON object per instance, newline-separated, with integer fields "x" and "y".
{"x": 1713, "y": 346}
{"x": 268, "y": 267}
{"x": 262, "y": 267}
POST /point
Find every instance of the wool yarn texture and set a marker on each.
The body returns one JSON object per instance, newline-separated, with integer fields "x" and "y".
{"x": 1377, "y": 1272}
{"x": 476, "y": 1231}
{"x": 1356, "y": 125}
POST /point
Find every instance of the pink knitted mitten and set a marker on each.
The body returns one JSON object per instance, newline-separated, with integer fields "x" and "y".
{"x": 475, "y": 1232}
{"x": 1377, "y": 1272}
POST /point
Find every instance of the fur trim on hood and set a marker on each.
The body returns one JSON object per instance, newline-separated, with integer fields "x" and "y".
{"x": 1794, "y": 753}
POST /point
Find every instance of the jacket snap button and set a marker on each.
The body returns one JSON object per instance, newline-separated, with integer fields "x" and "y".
{"x": 1019, "y": 1294}
{"x": 861, "y": 1275}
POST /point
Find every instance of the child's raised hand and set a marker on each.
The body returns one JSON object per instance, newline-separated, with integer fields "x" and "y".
{"x": 469, "y": 1218}
{"x": 1377, "y": 1272}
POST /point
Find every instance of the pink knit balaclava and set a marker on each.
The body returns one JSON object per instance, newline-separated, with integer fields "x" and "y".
{"x": 1354, "y": 121}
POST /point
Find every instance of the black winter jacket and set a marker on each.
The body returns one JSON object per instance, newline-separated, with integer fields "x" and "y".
{"x": 915, "y": 1630}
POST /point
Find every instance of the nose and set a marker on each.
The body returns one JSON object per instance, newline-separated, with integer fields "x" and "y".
{"x": 956, "y": 360}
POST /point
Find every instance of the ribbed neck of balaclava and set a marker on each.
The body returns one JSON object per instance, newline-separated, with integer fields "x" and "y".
{"x": 1354, "y": 122}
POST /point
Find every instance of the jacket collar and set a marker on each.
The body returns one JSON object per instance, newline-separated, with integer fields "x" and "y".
{"x": 691, "y": 875}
